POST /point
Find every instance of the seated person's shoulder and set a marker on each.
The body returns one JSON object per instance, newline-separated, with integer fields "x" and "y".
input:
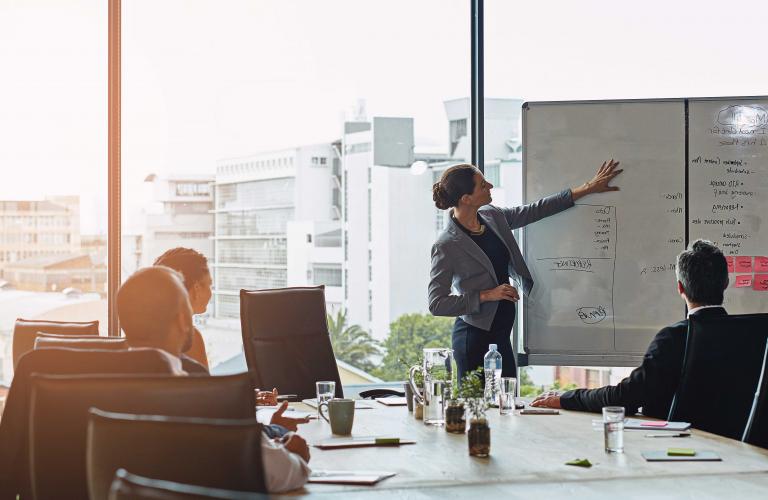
{"x": 192, "y": 367}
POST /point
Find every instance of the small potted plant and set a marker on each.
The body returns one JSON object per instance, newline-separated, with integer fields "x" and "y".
{"x": 455, "y": 420}
{"x": 479, "y": 434}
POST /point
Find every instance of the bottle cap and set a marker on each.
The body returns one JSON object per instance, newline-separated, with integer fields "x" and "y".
{"x": 492, "y": 347}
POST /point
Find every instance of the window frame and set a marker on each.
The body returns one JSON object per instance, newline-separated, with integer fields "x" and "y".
{"x": 114, "y": 188}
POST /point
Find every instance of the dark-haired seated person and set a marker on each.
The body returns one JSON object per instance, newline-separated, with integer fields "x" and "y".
{"x": 193, "y": 266}
{"x": 154, "y": 311}
{"x": 702, "y": 277}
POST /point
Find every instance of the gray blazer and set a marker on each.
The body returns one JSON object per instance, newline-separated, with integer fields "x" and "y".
{"x": 458, "y": 263}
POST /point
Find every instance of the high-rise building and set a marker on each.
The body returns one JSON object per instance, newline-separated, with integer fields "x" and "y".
{"x": 272, "y": 209}
{"x": 179, "y": 214}
{"x": 388, "y": 226}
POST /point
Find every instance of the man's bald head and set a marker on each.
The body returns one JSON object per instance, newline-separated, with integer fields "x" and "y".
{"x": 153, "y": 309}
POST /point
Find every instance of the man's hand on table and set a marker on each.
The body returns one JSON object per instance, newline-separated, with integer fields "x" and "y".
{"x": 292, "y": 424}
{"x": 549, "y": 399}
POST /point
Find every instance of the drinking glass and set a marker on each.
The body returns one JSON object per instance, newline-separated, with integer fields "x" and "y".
{"x": 507, "y": 395}
{"x": 326, "y": 390}
{"x": 613, "y": 427}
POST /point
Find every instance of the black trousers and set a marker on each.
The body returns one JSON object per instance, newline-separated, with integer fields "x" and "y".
{"x": 470, "y": 344}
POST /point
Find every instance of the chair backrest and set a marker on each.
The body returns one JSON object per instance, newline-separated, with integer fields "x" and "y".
{"x": 45, "y": 341}
{"x": 721, "y": 370}
{"x": 127, "y": 486}
{"x": 286, "y": 340}
{"x": 14, "y": 426}
{"x": 25, "y": 333}
{"x": 756, "y": 432}
{"x": 216, "y": 453}
{"x": 59, "y": 416}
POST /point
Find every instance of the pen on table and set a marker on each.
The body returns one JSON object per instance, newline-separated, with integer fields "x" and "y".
{"x": 668, "y": 435}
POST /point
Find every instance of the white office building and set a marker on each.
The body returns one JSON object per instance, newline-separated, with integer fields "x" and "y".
{"x": 388, "y": 225}
{"x": 277, "y": 218}
{"x": 178, "y": 214}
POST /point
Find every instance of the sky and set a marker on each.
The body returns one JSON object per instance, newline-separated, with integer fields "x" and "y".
{"x": 210, "y": 79}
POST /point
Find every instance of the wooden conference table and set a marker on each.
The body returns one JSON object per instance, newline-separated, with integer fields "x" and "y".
{"x": 528, "y": 455}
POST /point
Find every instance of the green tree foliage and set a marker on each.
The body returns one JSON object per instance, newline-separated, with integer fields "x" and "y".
{"x": 352, "y": 344}
{"x": 408, "y": 335}
{"x": 527, "y": 389}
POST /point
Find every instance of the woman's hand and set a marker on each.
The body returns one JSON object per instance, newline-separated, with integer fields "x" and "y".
{"x": 501, "y": 292}
{"x": 600, "y": 182}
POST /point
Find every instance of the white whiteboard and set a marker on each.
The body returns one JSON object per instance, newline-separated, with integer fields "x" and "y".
{"x": 604, "y": 270}
{"x": 728, "y": 170}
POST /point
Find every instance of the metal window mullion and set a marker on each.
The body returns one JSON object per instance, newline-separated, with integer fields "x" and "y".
{"x": 113, "y": 153}
{"x": 477, "y": 98}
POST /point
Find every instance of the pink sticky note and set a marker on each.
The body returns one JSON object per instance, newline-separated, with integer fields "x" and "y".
{"x": 729, "y": 260}
{"x": 743, "y": 264}
{"x": 761, "y": 283}
{"x": 654, "y": 423}
{"x": 761, "y": 264}
{"x": 743, "y": 281}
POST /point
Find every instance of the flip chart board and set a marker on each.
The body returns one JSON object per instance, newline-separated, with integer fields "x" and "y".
{"x": 604, "y": 270}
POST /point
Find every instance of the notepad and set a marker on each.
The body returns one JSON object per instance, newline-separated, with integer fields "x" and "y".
{"x": 359, "y": 404}
{"x": 392, "y": 401}
{"x": 361, "y": 477}
{"x": 656, "y": 425}
{"x": 664, "y": 456}
{"x": 358, "y": 442}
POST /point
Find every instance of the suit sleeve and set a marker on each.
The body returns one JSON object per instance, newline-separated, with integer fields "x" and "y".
{"x": 442, "y": 302}
{"x": 651, "y": 385}
{"x": 526, "y": 214}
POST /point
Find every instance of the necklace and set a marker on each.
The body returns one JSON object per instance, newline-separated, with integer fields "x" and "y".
{"x": 479, "y": 231}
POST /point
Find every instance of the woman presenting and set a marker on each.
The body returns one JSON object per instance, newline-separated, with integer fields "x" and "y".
{"x": 476, "y": 254}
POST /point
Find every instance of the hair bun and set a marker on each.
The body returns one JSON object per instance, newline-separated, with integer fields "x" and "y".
{"x": 438, "y": 196}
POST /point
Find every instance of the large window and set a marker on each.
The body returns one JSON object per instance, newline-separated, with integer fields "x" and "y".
{"x": 550, "y": 51}
{"x": 53, "y": 159}
{"x": 285, "y": 110}
{"x": 295, "y": 143}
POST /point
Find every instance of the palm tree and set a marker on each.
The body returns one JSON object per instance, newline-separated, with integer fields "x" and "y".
{"x": 352, "y": 344}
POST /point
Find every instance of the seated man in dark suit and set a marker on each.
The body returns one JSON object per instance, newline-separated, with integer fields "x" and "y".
{"x": 154, "y": 311}
{"x": 702, "y": 277}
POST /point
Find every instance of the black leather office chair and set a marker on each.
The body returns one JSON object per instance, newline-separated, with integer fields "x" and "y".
{"x": 216, "y": 453}
{"x": 756, "y": 432}
{"x": 14, "y": 426}
{"x": 25, "y": 330}
{"x": 286, "y": 340}
{"x": 59, "y": 415}
{"x": 89, "y": 342}
{"x": 127, "y": 486}
{"x": 721, "y": 370}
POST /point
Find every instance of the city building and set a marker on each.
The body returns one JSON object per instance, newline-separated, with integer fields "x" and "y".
{"x": 73, "y": 274}
{"x": 179, "y": 214}
{"x": 387, "y": 224}
{"x": 256, "y": 197}
{"x": 39, "y": 228}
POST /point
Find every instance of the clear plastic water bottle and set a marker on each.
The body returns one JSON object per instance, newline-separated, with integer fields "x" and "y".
{"x": 492, "y": 367}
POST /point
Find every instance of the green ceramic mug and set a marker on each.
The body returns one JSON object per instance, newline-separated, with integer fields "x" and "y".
{"x": 341, "y": 415}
